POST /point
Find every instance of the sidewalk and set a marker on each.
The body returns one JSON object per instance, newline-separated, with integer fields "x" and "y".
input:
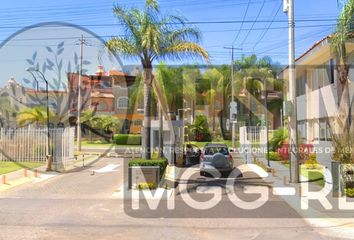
{"x": 22, "y": 176}
{"x": 335, "y": 222}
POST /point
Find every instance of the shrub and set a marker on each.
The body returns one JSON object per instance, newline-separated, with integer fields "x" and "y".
{"x": 127, "y": 139}
{"x": 147, "y": 185}
{"x": 311, "y": 162}
{"x": 162, "y": 163}
{"x": 280, "y": 135}
{"x": 349, "y": 192}
{"x": 200, "y": 129}
{"x": 274, "y": 156}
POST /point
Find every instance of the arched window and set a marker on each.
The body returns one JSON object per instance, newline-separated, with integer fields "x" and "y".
{"x": 123, "y": 102}
{"x": 102, "y": 106}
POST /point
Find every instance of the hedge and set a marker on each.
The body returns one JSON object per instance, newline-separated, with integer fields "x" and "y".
{"x": 162, "y": 163}
{"x": 127, "y": 139}
{"x": 274, "y": 156}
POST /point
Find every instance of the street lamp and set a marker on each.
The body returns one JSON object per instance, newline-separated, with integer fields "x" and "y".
{"x": 49, "y": 155}
{"x": 180, "y": 117}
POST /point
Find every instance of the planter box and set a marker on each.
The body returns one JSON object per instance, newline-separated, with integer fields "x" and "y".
{"x": 143, "y": 174}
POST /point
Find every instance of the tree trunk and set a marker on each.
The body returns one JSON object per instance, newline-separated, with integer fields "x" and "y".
{"x": 343, "y": 98}
{"x": 147, "y": 113}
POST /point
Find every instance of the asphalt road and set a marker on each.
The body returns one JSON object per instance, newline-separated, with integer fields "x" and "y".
{"x": 78, "y": 205}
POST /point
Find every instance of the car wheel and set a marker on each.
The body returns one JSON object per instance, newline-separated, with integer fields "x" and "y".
{"x": 225, "y": 174}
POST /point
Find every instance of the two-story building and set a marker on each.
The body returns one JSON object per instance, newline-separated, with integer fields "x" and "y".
{"x": 107, "y": 93}
{"x": 317, "y": 98}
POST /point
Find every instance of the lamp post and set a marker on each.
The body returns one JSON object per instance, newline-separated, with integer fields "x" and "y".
{"x": 49, "y": 155}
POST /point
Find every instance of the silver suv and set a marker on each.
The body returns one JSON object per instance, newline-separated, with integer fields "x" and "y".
{"x": 215, "y": 159}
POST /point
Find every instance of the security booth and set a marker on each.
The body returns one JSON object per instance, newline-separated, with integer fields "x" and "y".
{"x": 172, "y": 140}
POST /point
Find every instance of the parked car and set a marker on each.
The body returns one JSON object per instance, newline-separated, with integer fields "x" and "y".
{"x": 191, "y": 154}
{"x": 216, "y": 158}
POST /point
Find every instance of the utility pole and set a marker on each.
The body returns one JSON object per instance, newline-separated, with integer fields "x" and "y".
{"x": 233, "y": 104}
{"x": 266, "y": 118}
{"x": 82, "y": 42}
{"x": 294, "y": 161}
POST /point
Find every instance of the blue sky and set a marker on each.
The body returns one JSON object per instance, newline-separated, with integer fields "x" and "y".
{"x": 315, "y": 20}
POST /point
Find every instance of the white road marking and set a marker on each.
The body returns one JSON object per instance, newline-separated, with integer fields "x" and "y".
{"x": 284, "y": 191}
{"x": 108, "y": 168}
{"x": 258, "y": 170}
{"x": 45, "y": 176}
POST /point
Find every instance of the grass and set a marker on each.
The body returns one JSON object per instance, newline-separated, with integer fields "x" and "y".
{"x": 102, "y": 144}
{"x": 202, "y": 144}
{"x": 313, "y": 175}
{"x": 6, "y": 167}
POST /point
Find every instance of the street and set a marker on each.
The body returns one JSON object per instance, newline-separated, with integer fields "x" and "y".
{"x": 78, "y": 205}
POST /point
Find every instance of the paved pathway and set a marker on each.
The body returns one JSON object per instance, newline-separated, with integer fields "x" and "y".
{"x": 78, "y": 205}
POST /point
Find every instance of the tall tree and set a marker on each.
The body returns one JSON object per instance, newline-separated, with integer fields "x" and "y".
{"x": 344, "y": 32}
{"x": 249, "y": 78}
{"x": 148, "y": 36}
{"x": 214, "y": 93}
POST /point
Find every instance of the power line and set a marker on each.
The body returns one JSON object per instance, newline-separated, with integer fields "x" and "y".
{"x": 243, "y": 21}
{"x": 270, "y": 24}
{"x": 110, "y": 36}
{"x": 259, "y": 13}
{"x": 193, "y": 22}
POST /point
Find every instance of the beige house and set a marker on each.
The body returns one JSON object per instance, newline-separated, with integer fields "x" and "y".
{"x": 316, "y": 83}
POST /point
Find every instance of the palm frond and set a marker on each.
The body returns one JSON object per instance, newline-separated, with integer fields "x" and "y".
{"x": 183, "y": 49}
{"x": 123, "y": 46}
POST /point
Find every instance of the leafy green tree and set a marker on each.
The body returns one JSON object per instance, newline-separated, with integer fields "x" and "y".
{"x": 107, "y": 123}
{"x": 171, "y": 81}
{"x": 149, "y": 36}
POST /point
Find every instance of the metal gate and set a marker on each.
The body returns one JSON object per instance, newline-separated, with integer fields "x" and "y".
{"x": 29, "y": 145}
{"x": 253, "y": 142}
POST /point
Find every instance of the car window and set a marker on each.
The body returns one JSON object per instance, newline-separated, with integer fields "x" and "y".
{"x": 214, "y": 150}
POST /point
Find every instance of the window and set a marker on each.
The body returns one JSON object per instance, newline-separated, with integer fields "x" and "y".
{"x": 138, "y": 122}
{"x": 102, "y": 106}
{"x": 123, "y": 102}
{"x": 323, "y": 75}
{"x": 324, "y": 131}
{"x": 301, "y": 127}
{"x": 301, "y": 85}
{"x": 330, "y": 71}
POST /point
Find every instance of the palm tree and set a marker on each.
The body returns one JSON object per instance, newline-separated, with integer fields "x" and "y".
{"x": 341, "y": 36}
{"x": 216, "y": 81}
{"x": 35, "y": 115}
{"x": 150, "y": 36}
{"x": 251, "y": 76}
